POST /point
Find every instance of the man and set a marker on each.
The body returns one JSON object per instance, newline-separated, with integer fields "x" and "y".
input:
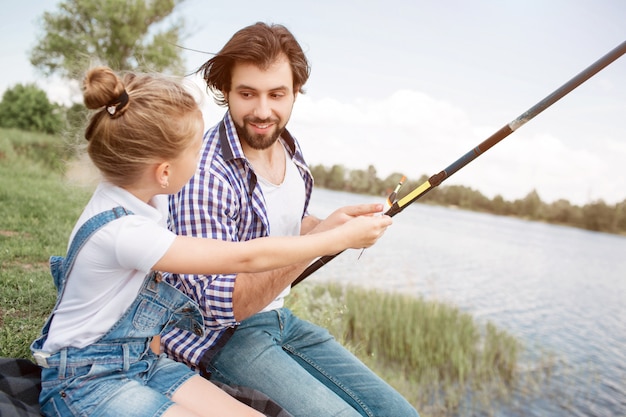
{"x": 252, "y": 181}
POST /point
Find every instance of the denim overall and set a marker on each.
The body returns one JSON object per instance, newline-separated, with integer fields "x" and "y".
{"x": 117, "y": 375}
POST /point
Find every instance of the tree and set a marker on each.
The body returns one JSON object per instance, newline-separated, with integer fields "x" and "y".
{"x": 76, "y": 118}
{"x": 530, "y": 206}
{"x": 562, "y": 212}
{"x": 320, "y": 175}
{"x": 336, "y": 179}
{"x": 122, "y": 34}
{"x": 620, "y": 217}
{"x": 364, "y": 182}
{"x": 598, "y": 216}
{"x": 27, "y": 107}
{"x": 499, "y": 205}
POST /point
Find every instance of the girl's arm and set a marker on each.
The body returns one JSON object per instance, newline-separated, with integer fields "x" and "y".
{"x": 189, "y": 255}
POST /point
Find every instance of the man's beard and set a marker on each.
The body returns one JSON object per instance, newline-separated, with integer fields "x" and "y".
{"x": 258, "y": 141}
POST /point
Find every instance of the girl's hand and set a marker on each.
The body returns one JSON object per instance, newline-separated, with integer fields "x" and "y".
{"x": 364, "y": 231}
{"x": 347, "y": 213}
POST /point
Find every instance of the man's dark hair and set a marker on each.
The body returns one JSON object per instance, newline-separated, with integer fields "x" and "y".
{"x": 259, "y": 44}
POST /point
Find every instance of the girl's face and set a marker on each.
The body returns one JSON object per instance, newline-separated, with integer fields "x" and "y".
{"x": 186, "y": 164}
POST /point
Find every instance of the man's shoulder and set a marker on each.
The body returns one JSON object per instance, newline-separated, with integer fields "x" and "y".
{"x": 212, "y": 153}
{"x": 216, "y": 169}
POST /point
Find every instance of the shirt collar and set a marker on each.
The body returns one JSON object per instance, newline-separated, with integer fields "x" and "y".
{"x": 119, "y": 196}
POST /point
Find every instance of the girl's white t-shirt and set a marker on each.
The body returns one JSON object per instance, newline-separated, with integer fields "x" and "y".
{"x": 110, "y": 268}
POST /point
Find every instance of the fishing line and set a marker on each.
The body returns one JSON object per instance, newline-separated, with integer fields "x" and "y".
{"x": 391, "y": 199}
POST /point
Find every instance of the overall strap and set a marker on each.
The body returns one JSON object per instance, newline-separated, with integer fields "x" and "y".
{"x": 88, "y": 229}
{"x": 82, "y": 235}
{"x": 60, "y": 268}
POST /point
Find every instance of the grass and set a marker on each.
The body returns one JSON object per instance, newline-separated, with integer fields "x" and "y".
{"x": 439, "y": 358}
{"x": 37, "y": 213}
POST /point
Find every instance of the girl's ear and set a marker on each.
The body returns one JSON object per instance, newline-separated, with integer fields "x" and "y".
{"x": 163, "y": 174}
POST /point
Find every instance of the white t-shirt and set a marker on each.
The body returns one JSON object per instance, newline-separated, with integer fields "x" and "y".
{"x": 284, "y": 205}
{"x": 110, "y": 268}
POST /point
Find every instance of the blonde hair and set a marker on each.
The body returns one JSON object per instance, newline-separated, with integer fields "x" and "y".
{"x": 141, "y": 119}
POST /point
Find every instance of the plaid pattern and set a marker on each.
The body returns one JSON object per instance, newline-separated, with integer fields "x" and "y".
{"x": 20, "y": 383}
{"x": 221, "y": 201}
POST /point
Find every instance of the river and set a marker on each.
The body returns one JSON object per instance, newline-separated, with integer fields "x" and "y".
{"x": 557, "y": 289}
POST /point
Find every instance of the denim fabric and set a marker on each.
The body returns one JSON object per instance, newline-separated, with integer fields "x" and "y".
{"x": 303, "y": 368}
{"x": 141, "y": 387}
{"x": 118, "y": 375}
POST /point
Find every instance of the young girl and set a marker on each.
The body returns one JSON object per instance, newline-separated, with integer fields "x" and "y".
{"x": 145, "y": 138}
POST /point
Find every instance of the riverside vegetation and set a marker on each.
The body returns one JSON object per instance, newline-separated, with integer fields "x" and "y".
{"x": 596, "y": 216}
{"x": 438, "y": 357}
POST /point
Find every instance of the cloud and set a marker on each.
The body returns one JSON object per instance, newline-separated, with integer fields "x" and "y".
{"x": 414, "y": 134}
{"x": 62, "y": 91}
{"x": 399, "y": 133}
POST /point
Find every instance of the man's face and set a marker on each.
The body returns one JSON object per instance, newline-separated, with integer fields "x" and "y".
{"x": 260, "y": 102}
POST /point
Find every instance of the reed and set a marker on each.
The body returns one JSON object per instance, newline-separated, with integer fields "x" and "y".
{"x": 438, "y": 357}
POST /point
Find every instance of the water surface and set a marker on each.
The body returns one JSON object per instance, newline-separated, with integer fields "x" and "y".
{"x": 558, "y": 289}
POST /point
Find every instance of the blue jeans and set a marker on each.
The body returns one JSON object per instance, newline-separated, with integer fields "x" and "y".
{"x": 303, "y": 368}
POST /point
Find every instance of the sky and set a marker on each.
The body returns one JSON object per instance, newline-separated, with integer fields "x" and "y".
{"x": 409, "y": 86}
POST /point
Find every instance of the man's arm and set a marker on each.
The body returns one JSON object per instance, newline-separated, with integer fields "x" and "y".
{"x": 254, "y": 291}
{"x": 308, "y": 224}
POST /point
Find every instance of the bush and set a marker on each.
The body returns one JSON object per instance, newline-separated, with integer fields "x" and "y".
{"x": 27, "y": 107}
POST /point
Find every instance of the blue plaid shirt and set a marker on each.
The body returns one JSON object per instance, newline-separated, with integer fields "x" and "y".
{"x": 221, "y": 201}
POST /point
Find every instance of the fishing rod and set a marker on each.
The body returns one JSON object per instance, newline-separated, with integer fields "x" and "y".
{"x": 484, "y": 146}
